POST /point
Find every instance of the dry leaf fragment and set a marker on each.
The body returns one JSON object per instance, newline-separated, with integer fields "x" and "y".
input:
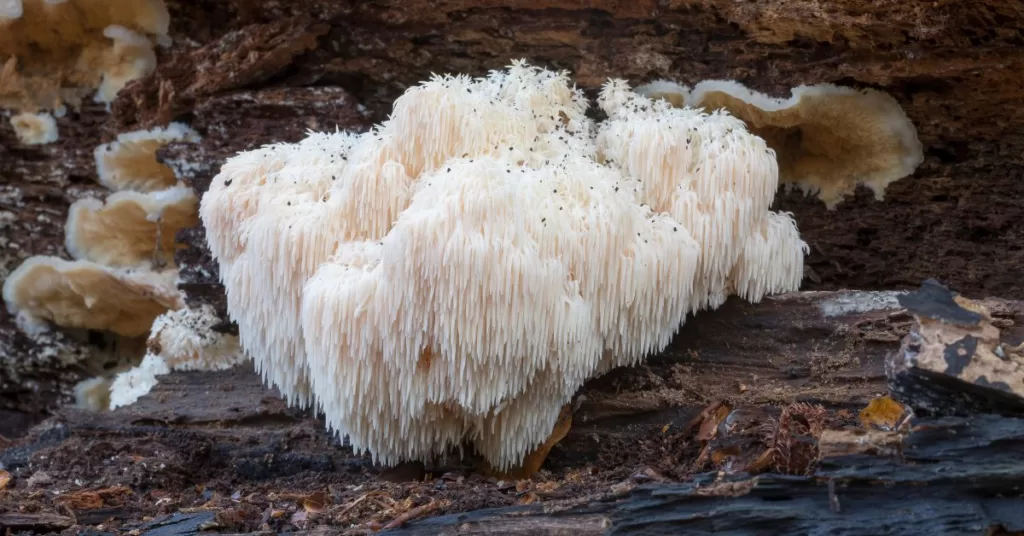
{"x": 314, "y": 502}
{"x": 5, "y": 478}
{"x": 92, "y": 499}
{"x": 709, "y": 427}
{"x": 882, "y": 413}
{"x": 413, "y": 514}
{"x": 529, "y": 498}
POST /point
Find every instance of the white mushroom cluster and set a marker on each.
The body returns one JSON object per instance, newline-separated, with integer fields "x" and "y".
{"x": 457, "y": 273}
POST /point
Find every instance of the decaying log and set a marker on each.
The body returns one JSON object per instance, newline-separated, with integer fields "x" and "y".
{"x": 956, "y": 360}
{"x": 648, "y": 452}
{"x": 958, "y": 476}
{"x": 938, "y": 474}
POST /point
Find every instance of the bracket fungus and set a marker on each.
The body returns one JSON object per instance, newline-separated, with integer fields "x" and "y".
{"x": 130, "y": 228}
{"x": 828, "y": 138}
{"x": 87, "y": 295}
{"x": 455, "y": 274}
{"x": 57, "y": 52}
{"x": 123, "y": 278}
{"x": 123, "y": 275}
{"x": 130, "y": 161}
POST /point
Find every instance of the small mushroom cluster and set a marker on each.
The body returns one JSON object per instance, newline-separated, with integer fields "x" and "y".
{"x": 122, "y": 279}
{"x": 55, "y": 53}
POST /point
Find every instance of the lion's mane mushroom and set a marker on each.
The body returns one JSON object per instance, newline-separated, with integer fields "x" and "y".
{"x": 714, "y": 177}
{"x": 460, "y": 271}
{"x": 828, "y": 138}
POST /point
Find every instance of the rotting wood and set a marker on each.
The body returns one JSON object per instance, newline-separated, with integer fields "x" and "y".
{"x": 958, "y": 487}
{"x": 202, "y": 436}
{"x": 44, "y": 522}
{"x": 960, "y": 358}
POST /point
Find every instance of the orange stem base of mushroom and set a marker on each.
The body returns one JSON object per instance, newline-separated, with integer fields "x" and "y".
{"x": 534, "y": 460}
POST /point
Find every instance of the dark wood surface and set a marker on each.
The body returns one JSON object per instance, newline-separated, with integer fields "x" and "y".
{"x": 627, "y": 466}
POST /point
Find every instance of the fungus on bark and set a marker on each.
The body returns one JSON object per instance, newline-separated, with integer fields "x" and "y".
{"x": 93, "y": 394}
{"x": 130, "y": 228}
{"x": 457, "y": 273}
{"x": 128, "y": 386}
{"x": 186, "y": 340}
{"x": 828, "y": 138}
{"x": 59, "y": 52}
{"x": 179, "y": 340}
{"x": 130, "y": 162}
{"x": 119, "y": 281}
{"x": 83, "y": 294}
{"x": 34, "y": 129}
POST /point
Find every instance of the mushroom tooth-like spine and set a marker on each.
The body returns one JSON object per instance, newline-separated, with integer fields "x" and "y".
{"x": 772, "y": 260}
{"x": 268, "y": 222}
{"x": 705, "y": 170}
{"x": 442, "y": 310}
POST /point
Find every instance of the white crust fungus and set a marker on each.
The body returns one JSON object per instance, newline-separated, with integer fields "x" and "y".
{"x": 185, "y": 339}
{"x": 93, "y": 394}
{"x": 458, "y": 272}
{"x": 179, "y": 340}
{"x": 128, "y": 386}
{"x": 828, "y": 138}
{"x": 34, "y": 129}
